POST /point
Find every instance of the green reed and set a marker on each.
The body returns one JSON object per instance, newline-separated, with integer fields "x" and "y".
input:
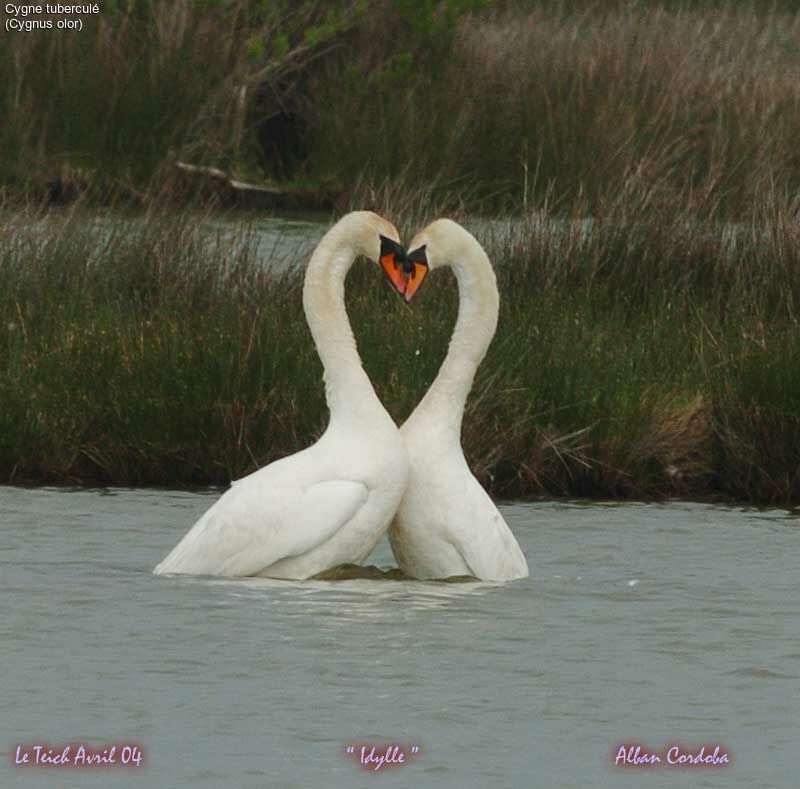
{"x": 517, "y": 103}
{"x": 573, "y": 102}
{"x": 640, "y": 354}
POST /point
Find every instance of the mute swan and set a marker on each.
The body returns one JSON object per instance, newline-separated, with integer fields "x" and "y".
{"x": 330, "y": 503}
{"x": 446, "y": 524}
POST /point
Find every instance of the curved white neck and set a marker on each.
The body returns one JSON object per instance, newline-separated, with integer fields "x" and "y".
{"x": 348, "y": 390}
{"x": 442, "y": 407}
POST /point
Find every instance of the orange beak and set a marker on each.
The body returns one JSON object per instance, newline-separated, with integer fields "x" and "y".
{"x": 418, "y": 261}
{"x": 405, "y": 274}
{"x": 392, "y": 259}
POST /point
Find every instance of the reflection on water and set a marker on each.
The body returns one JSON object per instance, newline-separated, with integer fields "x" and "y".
{"x": 657, "y": 624}
{"x": 352, "y": 572}
{"x": 351, "y": 600}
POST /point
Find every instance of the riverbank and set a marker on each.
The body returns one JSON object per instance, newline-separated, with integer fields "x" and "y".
{"x": 639, "y": 354}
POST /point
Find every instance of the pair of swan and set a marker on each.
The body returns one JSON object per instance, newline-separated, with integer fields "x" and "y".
{"x": 331, "y": 503}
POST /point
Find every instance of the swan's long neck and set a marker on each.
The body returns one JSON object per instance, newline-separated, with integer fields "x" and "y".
{"x": 442, "y": 408}
{"x": 348, "y": 390}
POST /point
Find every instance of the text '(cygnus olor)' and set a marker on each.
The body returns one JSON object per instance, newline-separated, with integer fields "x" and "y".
{"x": 446, "y": 524}
{"x": 330, "y": 503}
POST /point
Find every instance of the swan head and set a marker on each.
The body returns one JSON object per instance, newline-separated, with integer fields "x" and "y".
{"x": 378, "y": 239}
{"x": 434, "y": 247}
{"x": 439, "y": 243}
{"x": 362, "y": 232}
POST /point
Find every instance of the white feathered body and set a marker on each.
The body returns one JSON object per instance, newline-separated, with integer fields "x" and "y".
{"x": 447, "y": 524}
{"x": 332, "y": 502}
{"x": 303, "y": 514}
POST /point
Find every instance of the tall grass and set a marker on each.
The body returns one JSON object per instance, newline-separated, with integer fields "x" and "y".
{"x": 522, "y": 101}
{"x": 639, "y": 355}
{"x": 112, "y": 98}
{"x": 111, "y": 108}
{"x": 648, "y": 337}
{"x": 647, "y": 357}
{"x": 701, "y": 104}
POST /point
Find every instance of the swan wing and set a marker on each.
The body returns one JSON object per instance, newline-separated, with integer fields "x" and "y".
{"x": 489, "y": 549}
{"x": 246, "y": 532}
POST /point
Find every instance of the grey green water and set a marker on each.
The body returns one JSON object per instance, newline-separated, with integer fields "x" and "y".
{"x": 278, "y": 241}
{"x": 650, "y": 624}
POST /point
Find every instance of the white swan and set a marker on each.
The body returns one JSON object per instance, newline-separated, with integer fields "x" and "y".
{"x": 330, "y": 503}
{"x": 446, "y": 524}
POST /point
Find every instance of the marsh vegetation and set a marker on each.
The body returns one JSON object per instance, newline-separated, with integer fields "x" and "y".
{"x": 632, "y": 359}
{"x": 645, "y": 157}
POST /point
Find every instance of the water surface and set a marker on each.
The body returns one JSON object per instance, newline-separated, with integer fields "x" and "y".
{"x": 655, "y": 624}
{"x": 278, "y": 242}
